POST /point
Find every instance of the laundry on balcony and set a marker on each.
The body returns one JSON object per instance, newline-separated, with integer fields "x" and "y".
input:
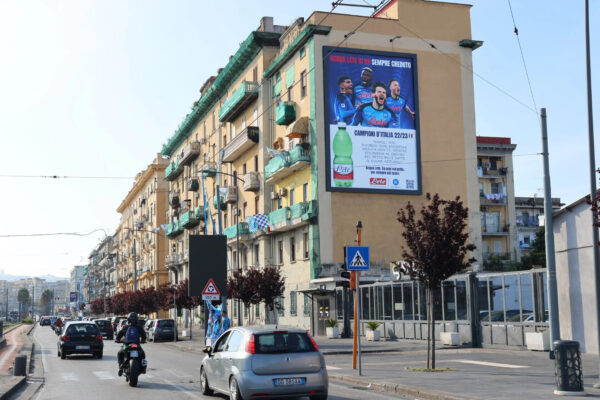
{"x": 258, "y": 221}
{"x": 495, "y": 197}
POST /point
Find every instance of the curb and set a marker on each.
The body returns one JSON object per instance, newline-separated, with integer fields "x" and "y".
{"x": 18, "y": 382}
{"x": 406, "y": 390}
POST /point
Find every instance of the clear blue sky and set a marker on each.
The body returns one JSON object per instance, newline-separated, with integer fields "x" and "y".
{"x": 95, "y": 88}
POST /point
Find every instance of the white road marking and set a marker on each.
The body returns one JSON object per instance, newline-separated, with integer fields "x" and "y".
{"x": 68, "y": 376}
{"x": 332, "y": 367}
{"x": 489, "y": 364}
{"x": 105, "y": 375}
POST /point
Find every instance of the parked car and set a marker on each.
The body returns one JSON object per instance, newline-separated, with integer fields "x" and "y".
{"x": 106, "y": 329}
{"x": 247, "y": 362}
{"x": 120, "y": 326}
{"x": 115, "y": 322}
{"x": 163, "y": 329}
{"x": 80, "y": 337}
{"x": 148, "y": 325}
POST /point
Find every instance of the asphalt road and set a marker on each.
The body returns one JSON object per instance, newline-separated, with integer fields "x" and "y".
{"x": 172, "y": 374}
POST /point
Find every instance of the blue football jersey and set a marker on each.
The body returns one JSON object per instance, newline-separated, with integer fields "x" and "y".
{"x": 362, "y": 95}
{"x": 366, "y": 115}
{"x": 398, "y": 106}
{"x": 344, "y": 108}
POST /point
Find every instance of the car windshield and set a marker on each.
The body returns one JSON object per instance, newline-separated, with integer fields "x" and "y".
{"x": 283, "y": 342}
{"x": 102, "y": 323}
{"x": 82, "y": 329}
{"x": 165, "y": 324}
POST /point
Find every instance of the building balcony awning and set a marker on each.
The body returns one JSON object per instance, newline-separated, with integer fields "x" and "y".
{"x": 239, "y": 100}
{"x": 298, "y": 129}
{"x": 241, "y": 143}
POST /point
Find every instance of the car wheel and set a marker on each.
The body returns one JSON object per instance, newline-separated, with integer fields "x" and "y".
{"x": 234, "y": 390}
{"x": 99, "y": 355}
{"x": 204, "y": 383}
{"x": 62, "y": 355}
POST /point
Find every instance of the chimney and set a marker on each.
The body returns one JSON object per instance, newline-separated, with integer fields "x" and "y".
{"x": 266, "y": 24}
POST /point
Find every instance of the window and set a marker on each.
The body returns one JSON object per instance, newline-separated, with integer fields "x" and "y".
{"x": 204, "y": 129}
{"x": 220, "y": 346}
{"x": 245, "y": 258}
{"x": 243, "y": 123}
{"x": 214, "y": 122}
{"x": 235, "y": 302}
{"x": 279, "y": 305}
{"x": 305, "y": 245}
{"x": 292, "y": 193}
{"x": 290, "y": 94}
{"x": 280, "y": 252}
{"x": 292, "y": 248}
{"x": 279, "y": 203}
{"x": 257, "y": 310}
{"x": 256, "y": 200}
{"x": 245, "y": 210}
{"x": 224, "y": 140}
{"x": 305, "y": 192}
{"x": 235, "y": 260}
{"x": 255, "y": 163}
{"x": 293, "y": 305}
{"x": 256, "y": 250}
{"x": 232, "y": 130}
{"x": 302, "y": 52}
{"x": 255, "y": 116}
{"x": 246, "y": 311}
{"x": 235, "y": 341}
{"x": 307, "y": 309}
{"x": 244, "y": 169}
{"x": 302, "y": 84}
{"x": 255, "y": 74}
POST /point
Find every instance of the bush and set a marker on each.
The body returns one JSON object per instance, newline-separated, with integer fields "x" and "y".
{"x": 373, "y": 325}
{"x": 27, "y": 321}
{"x": 331, "y": 323}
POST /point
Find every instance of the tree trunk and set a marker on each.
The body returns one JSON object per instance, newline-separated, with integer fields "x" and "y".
{"x": 432, "y": 331}
{"x": 428, "y": 301}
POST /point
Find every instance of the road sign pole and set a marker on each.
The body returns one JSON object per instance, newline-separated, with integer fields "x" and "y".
{"x": 358, "y": 237}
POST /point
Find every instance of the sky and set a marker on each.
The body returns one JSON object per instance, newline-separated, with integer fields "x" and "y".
{"x": 91, "y": 90}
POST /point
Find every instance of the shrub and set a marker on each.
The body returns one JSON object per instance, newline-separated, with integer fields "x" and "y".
{"x": 27, "y": 321}
{"x": 331, "y": 323}
{"x": 373, "y": 325}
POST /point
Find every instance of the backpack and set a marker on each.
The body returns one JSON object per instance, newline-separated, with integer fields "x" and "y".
{"x": 132, "y": 335}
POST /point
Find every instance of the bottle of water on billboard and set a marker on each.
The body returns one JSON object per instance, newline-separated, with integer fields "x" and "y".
{"x": 343, "y": 169}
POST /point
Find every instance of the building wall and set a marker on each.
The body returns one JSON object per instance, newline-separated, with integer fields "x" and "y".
{"x": 575, "y": 276}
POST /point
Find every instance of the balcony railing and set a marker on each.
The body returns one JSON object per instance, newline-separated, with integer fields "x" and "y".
{"x": 241, "y": 143}
{"x": 209, "y": 169}
{"x": 189, "y": 153}
{"x": 495, "y": 230}
{"x": 285, "y": 113}
{"x": 174, "y": 229}
{"x": 244, "y": 95}
{"x": 298, "y": 209}
{"x": 193, "y": 185}
{"x": 173, "y": 259}
{"x": 502, "y": 256}
{"x": 531, "y": 221}
{"x": 188, "y": 220}
{"x": 287, "y": 163}
{"x": 252, "y": 182}
{"x": 223, "y": 204}
{"x": 199, "y": 213}
{"x": 241, "y": 228}
{"x": 492, "y": 198}
{"x": 230, "y": 194}
{"x": 173, "y": 170}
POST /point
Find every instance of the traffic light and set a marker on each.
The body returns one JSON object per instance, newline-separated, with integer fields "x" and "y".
{"x": 350, "y": 275}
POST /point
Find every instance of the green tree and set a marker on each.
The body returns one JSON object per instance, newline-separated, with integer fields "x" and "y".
{"x": 536, "y": 257}
{"x": 23, "y": 299}
{"x": 436, "y": 248}
{"x": 46, "y": 302}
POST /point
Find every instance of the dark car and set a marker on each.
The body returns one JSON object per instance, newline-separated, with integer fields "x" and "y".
{"x": 80, "y": 337}
{"x": 44, "y": 321}
{"x": 164, "y": 329}
{"x": 106, "y": 328}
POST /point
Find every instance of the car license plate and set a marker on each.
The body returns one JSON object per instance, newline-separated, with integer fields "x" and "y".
{"x": 134, "y": 353}
{"x": 289, "y": 381}
{"x": 82, "y": 347}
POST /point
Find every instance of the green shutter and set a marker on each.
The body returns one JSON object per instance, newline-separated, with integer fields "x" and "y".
{"x": 289, "y": 77}
{"x": 276, "y": 89}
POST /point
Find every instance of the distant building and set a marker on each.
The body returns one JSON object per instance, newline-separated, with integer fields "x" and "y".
{"x": 77, "y": 283}
{"x": 529, "y": 217}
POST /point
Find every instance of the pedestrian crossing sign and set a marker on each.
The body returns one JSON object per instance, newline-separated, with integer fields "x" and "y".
{"x": 357, "y": 258}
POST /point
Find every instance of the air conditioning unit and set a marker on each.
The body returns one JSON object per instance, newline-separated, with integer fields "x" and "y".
{"x": 203, "y": 141}
{"x": 274, "y": 195}
{"x": 282, "y": 192}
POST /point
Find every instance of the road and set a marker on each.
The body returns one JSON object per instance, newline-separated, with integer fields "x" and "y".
{"x": 172, "y": 374}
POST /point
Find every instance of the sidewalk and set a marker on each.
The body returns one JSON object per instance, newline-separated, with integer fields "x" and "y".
{"x": 474, "y": 373}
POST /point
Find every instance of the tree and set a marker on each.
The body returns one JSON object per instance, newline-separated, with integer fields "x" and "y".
{"x": 436, "y": 248}
{"x": 97, "y": 306}
{"x": 23, "y": 299}
{"x": 46, "y": 302}
{"x": 537, "y": 255}
{"x": 271, "y": 286}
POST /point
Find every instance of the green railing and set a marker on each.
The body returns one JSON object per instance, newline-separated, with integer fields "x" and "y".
{"x": 174, "y": 229}
{"x": 285, "y": 113}
{"x": 232, "y": 231}
{"x": 199, "y": 213}
{"x": 278, "y": 216}
{"x": 298, "y": 209}
{"x": 279, "y": 161}
{"x": 188, "y": 219}
{"x": 246, "y": 91}
{"x": 311, "y": 212}
{"x": 297, "y": 154}
{"x": 223, "y": 204}
{"x": 173, "y": 170}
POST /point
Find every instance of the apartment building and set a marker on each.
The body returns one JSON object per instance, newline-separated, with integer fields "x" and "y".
{"x": 141, "y": 242}
{"x": 289, "y": 193}
{"x": 497, "y": 198}
{"x": 529, "y": 217}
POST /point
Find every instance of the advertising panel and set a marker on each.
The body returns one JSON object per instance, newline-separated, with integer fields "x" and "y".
{"x": 73, "y": 297}
{"x": 372, "y": 121}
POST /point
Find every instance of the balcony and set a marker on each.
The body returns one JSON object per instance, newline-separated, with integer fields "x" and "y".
{"x": 492, "y": 199}
{"x": 193, "y": 185}
{"x": 174, "y": 229}
{"x": 279, "y": 219}
{"x": 173, "y": 170}
{"x": 232, "y": 232}
{"x": 487, "y": 172}
{"x": 230, "y": 195}
{"x": 209, "y": 169}
{"x": 287, "y": 163}
{"x": 173, "y": 260}
{"x": 223, "y": 204}
{"x": 188, "y": 220}
{"x": 241, "y": 143}
{"x": 298, "y": 209}
{"x": 285, "y": 113}
{"x": 527, "y": 222}
{"x": 495, "y": 230}
{"x": 199, "y": 213}
{"x": 189, "y": 153}
{"x": 252, "y": 182}
{"x": 240, "y": 99}
{"x": 174, "y": 200}
{"x": 501, "y": 256}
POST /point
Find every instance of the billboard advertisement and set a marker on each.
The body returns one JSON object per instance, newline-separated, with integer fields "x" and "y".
{"x": 372, "y": 121}
{"x": 73, "y": 297}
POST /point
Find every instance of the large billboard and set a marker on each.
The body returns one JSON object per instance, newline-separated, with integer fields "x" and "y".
{"x": 207, "y": 260}
{"x": 372, "y": 121}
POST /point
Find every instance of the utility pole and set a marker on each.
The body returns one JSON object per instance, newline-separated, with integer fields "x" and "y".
{"x": 356, "y": 343}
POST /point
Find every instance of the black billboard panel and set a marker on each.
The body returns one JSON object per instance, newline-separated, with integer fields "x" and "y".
{"x": 207, "y": 260}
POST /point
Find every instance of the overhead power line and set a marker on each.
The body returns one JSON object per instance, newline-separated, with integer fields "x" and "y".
{"x": 53, "y": 234}
{"x": 63, "y": 176}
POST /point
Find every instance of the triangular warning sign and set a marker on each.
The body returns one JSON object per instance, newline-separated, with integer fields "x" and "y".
{"x": 358, "y": 261}
{"x": 210, "y": 288}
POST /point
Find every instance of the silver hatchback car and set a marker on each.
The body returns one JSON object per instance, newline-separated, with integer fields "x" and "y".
{"x": 266, "y": 362}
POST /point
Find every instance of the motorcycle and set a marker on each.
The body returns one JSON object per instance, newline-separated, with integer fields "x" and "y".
{"x": 134, "y": 364}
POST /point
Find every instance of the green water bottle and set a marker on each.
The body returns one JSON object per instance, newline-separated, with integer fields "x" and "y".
{"x": 343, "y": 169}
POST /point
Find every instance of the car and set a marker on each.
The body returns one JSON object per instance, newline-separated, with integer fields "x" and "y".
{"x": 120, "y": 326}
{"x": 44, "y": 321}
{"x": 163, "y": 329}
{"x": 105, "y": 327}
{"x": 148, "y": 325}
{"x": 115, "y": 322}
{"x": 80, "y": 337}
{"x": 267, "y": 361}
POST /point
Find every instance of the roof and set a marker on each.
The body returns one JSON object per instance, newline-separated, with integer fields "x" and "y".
{"x": 269, "y": 328}
{"x": 493, "y": 140}
{"x": 571, "y": 206}
{"x": 536, "y": 201}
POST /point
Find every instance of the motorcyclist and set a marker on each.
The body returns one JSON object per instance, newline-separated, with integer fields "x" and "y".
{"x": 58, "y": 325}
{"x": 133, "y": 334}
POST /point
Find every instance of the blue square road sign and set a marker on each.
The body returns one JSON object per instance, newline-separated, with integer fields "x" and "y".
{"x": 357, "y": 258}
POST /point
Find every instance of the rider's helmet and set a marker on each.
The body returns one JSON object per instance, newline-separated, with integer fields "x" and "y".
{"x": 132, "y": 318}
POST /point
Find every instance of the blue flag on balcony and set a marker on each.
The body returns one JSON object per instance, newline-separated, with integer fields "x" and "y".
{"x": 258, "y": 221}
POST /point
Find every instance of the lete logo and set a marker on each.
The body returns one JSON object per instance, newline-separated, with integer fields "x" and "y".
{"x": 378, "y": 181}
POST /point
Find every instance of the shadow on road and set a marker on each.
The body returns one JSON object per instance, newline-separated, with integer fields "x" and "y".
{"x": 164, "y": 386}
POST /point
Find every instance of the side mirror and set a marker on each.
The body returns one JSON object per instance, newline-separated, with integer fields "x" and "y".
{"x": 207, "y": 349}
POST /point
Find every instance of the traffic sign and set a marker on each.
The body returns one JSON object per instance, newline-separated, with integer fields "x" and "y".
{"x": 357, "y": 258}
{"x": 211, "y": 292}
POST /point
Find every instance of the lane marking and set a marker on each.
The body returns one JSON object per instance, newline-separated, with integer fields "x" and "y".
{"x": 332, "y": 367}
{"x": 68, "y": 376}
{"x": 104, "y": 375}
{"x": 489, "y": 364}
